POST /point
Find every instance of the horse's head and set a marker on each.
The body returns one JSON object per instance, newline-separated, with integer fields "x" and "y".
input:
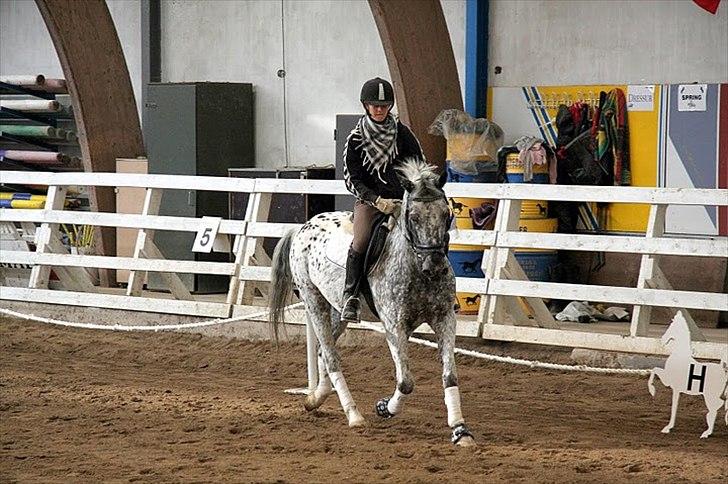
{"x": 425, "y": 215}
{"x": 678, "y": 330}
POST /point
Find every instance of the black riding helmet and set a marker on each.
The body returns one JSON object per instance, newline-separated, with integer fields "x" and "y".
{"x": 377, "y": 91}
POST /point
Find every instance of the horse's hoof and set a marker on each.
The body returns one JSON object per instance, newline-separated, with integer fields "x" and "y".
{"x": 705, "y": 434}
{"x": 461, "y": 435}
{"x": 666, "y": 430}
{"x": 466, "y": 442}
{"x": 382, "y": 409}
{"x": 312, "y": 402}
{"x": 355, "y": 419}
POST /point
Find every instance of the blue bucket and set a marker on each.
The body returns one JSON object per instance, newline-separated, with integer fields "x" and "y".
{"x": 518, "y": 178}
{"x": 537, "y": 265}
{"x": 466, "y": 263}
{"x": 454, "y": 176}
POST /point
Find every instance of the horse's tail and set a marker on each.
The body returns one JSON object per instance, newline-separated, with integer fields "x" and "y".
{"x": 281, "y": 281}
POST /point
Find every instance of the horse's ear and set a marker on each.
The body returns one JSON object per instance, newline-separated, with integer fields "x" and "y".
{"x": 442, "y": 180}
{"x": 406, "y": 183}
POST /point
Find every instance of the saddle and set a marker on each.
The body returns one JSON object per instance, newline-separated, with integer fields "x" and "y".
{"x": 379, "y": 231}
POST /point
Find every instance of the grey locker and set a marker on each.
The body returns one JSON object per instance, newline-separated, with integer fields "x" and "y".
{"x": 197, "y": 129}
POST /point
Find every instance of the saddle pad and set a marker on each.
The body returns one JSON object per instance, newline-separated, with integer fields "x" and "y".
{"x": 338, "y": 243}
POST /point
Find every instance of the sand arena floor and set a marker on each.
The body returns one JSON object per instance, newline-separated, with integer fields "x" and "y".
{"x": 80, "y": 405}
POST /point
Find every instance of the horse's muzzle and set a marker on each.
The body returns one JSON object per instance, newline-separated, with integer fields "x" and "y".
{"x": 433, "y": 265}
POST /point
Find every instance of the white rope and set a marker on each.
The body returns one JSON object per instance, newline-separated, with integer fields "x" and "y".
{"x": 519, "y": 361}
{"x": 154, "y": 327}
{"x": 364, "y": 324}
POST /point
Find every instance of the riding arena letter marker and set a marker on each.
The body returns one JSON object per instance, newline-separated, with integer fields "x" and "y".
{"x": 686, "y": 375}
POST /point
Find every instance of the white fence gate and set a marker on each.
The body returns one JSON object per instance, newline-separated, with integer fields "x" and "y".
{"x": 500, "y": 316}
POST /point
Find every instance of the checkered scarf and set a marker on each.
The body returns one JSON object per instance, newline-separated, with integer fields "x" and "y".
{"x": 379, "y": 143}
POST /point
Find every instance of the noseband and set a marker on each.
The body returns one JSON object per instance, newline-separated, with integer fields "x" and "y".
{"x": 423, "y": 250}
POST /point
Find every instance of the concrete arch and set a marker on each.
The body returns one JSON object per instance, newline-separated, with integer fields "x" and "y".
{"x": 107, "y": 121}
{"x": 422, "y": 64}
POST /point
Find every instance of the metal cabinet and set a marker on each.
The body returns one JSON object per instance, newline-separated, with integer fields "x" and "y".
{"x": 199, "y": 129}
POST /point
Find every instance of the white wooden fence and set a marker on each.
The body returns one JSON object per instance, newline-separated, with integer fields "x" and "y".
{"x": 501, "y": 317}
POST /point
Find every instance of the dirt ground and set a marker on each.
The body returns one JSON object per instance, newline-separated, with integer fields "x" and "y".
{"x": 88, "y": 406}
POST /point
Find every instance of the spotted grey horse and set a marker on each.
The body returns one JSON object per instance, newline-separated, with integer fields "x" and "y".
{"x": 412, "y": 283}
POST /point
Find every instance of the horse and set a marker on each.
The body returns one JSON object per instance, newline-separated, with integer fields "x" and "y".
{"x": 456, "y": 206}
{"x": 471, "y": 300}
{"x": 411, "y": 283}
{"x": 686, "y": 375}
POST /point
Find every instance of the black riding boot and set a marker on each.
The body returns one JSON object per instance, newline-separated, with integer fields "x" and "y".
{"x": 354, "y": 271}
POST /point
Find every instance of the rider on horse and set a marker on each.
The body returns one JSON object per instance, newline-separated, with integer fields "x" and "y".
{"x": 374, "y": 148}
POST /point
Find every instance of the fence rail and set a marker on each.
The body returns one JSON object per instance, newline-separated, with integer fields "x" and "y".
{"x": 501, "y": 315}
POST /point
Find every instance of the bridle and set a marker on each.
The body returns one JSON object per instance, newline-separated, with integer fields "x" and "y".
{"x": 423, "y": 250}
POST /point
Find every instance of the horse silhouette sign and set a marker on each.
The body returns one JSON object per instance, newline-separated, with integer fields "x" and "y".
{"x": 684, "y": 374}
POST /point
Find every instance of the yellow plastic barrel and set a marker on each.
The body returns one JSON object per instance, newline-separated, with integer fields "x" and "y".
{"x": 531, "y": 209}
{"x": 548, "y": 225}
{"x": 460, "y": 147}
{"x": 514, "y": 165}
{"x": 469, "y": 302}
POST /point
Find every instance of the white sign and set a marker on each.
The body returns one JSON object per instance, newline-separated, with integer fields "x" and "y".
{"x": 641, "y": 98}
{"x": 691, "y": 97}
{"x": 686, "y": 375}
{"x": 206, "y": 235}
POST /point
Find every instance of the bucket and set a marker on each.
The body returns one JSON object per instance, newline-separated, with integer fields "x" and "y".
{"x": 537, "y": 265}
{"x": 531, "y": 209}
{"x": 455, "y": 176}
{"x": 469, "y": 302}
{"x": 460, "y": 147}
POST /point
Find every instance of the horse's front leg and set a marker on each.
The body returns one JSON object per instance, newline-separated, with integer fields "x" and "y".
{"x": 673, "y": 411}
{"x": 397, "y": 342}
{"x": 445, "y": 333}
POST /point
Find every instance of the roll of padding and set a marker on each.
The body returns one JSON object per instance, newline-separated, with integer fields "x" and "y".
{"x": 34, "y": 131}
{"x": 55, "y": 86}
{"x": 21, "y": 196}
{"x": 31, "y": 105}
{"x": 36, "y": 156}
{"x": 25, "y": 80}
{"x": 35, "y": 204}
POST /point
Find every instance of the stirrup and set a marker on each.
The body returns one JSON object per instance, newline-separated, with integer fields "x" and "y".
{"x": 460, "y": 431}
{"x": 351, "y": 308}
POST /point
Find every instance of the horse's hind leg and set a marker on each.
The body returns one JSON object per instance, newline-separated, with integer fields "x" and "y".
{"x": 445, "y": 334}
{"x": 713, "y": 402}
{"x": 397, "y": 342}
{"x": 319, "y": 313}
{"x": 322, "y": 391}
{"x": 673, "y": 412}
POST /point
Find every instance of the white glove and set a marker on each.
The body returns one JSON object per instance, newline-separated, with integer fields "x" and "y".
{"x": 386, "y": 205}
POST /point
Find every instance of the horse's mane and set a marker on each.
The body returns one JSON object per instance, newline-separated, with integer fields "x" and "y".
{"x": 418, "y": 171}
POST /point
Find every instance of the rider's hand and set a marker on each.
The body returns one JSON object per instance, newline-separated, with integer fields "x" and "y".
{"x": 386, "y": 205}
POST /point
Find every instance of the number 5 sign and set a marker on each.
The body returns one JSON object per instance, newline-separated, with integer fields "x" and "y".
{"x": 206, "y": 234}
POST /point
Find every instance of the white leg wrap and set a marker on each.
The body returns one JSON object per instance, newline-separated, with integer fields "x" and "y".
{"x": 452, "y": 402}
{"x": 395, "y": 403}
{"x": 337, "y": 379}
{"x": 323, "y": 388}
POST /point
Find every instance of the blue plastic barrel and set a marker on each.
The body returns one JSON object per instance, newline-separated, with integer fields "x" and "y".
{"x": 538, "y": 266}
{"x": 466, "y": 263}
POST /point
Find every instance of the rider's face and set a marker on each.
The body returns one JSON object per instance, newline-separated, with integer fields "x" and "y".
{"x": 378, "y": 112}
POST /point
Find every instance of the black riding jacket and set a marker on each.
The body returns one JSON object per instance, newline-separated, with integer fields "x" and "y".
{"x": 367, "y": 186}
